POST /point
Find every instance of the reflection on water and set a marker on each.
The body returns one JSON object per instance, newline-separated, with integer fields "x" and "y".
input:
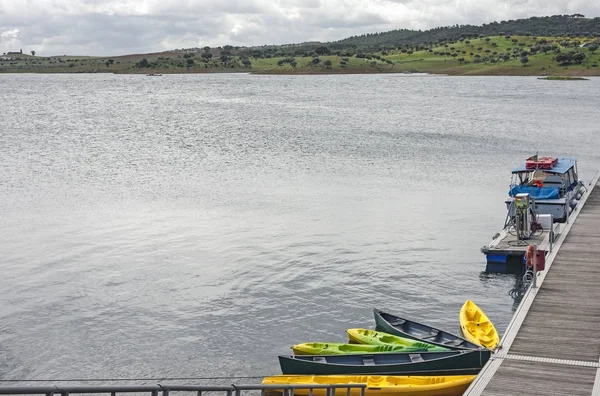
{"x": 518, "y": 291}
{"x": 519, "y": 284}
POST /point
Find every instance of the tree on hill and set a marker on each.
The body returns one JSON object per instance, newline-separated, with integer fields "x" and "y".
{"x": 327, "y": 63}
{"x": 564, "y": 58}
{"x": 246, "y": 62}
{"x": 32, "y": 53}
{"x": 142, "y": 63}
{"x": 189, "y": 63}
{"x": 524, "y": 60}
{"x": 322, "y": 51}
{"x": 578, "y": 57}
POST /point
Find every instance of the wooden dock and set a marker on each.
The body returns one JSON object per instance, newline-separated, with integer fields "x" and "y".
{"x": 552, "y": 344}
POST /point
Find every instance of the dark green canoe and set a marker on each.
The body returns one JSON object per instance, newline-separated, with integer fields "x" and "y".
{"x": 425, "y": 363}
{"x": 402, "y": 327}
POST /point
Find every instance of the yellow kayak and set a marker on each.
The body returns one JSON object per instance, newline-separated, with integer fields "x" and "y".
{"x": 477, "y": 327}
{"x": 378, "y": 385}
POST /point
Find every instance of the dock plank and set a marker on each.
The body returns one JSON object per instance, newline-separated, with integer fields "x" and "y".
{"x": 534, "y": 378}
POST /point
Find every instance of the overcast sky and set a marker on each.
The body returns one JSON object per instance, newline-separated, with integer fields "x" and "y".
{"x": 116, "y": 27}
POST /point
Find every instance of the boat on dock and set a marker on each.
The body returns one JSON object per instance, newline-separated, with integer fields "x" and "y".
{"x": 465, "y": 362}
{"x": 377, "y": 385}
{"x": 403, "y": 327}
{"x": 543, "y": 193}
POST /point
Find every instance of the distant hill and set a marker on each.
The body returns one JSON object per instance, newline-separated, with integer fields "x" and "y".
{"x": 555, "y": 45}
{"x": 555, "y": 25}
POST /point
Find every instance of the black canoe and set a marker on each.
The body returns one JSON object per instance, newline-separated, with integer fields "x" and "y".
{"x": 463, "y": 362}
{"x": 396, "y": 325}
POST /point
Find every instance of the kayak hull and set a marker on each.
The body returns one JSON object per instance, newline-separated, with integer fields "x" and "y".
{"x": 332, "y": 348}
{"x": 379, "y": 385}
{"x": 403, "y": 327}
{"x": 425, "y": 363}
{"x": 477, "y": 327}
{"x": 373, "y": 337}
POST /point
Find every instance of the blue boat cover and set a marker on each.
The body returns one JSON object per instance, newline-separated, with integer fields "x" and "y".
{"x": 562, "y": 166}
{"x": 536, "y": 192}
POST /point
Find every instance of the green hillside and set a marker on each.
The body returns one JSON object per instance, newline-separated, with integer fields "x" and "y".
{"x": 556, "y": 25}
{"x": 451, "y": 50}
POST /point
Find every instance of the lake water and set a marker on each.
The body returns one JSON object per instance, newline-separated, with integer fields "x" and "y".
{"x": 200, "y": 225}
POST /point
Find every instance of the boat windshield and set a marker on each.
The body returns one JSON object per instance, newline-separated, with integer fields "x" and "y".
{"x": 533, "y": 178}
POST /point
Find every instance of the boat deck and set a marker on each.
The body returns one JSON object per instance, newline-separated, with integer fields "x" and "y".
{"x": 506, "y": 253}
{"x": 552, "y": 345}
{"x": 509, "y": 243}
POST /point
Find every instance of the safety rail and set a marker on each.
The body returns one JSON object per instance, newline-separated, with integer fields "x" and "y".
{"x": 164, "y": 390}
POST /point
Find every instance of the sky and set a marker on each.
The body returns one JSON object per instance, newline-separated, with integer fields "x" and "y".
{"x": 118, "y": 27}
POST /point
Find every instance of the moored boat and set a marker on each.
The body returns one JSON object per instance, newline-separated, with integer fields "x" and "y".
{"x": 403, "y": 327}
{"x": 379, "y": 385}
{"x": 543, "y": 193}
{"x": 332, "y": 348}
{"x": 374, "y": 337}
{"x": 477, "y": 327}
{"x": 464, "y": 362}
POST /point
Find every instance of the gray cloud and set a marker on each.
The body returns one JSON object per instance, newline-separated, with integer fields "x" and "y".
{"x": 114, "y": 27}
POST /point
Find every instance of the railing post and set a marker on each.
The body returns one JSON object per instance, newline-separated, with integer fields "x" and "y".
{"x": 534, "y": 267}
{"x": 165, "y": 392}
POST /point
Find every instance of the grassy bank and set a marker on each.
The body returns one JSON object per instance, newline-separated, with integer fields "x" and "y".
{"x": 497, "y": 55}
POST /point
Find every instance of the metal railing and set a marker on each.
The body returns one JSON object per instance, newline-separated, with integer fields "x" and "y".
{"x": 164, "y": 390}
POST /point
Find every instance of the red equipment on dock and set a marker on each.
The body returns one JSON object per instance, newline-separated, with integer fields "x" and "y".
{"x": 541, "y": 163}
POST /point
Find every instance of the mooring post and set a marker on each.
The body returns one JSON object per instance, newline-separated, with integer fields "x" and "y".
{"x": 534, "y": 267}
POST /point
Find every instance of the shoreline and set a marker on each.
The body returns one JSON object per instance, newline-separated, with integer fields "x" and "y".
{"x": 568, "y": 75}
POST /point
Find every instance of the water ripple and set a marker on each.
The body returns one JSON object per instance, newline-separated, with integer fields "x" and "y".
{"x": 201, "y": 225}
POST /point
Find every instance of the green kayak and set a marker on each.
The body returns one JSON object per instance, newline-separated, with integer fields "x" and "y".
{"x": 372, "y": 337}
{"x": 333, "y": 348}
